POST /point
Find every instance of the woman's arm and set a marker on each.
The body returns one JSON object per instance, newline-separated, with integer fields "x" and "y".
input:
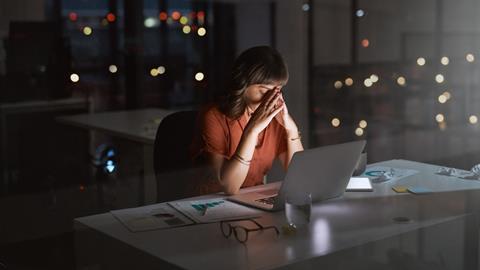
{"x": 232, "y": 172}
{"x": 294, "y": 144}
{"x": 294, "y": 140}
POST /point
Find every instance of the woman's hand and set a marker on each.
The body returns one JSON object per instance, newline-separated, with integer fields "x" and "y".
{"x": 263, "y": 115}
{"x": 285, "y": 119}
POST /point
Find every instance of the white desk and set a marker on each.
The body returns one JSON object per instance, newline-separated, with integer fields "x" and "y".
{"x": 135, "y": 125}
{"x": 352, "y": 232}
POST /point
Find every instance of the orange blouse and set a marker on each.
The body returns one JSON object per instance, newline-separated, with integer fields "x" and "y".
{"x": 221, "y": 135}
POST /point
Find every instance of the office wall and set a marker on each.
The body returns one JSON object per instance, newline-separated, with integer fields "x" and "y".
{"x": 331, "y": 32}
{"x": 253, "y": 25}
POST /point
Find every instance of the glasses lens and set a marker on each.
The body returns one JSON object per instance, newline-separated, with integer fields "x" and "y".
{"x": 226, "y": 229}
{"x": 241, "y": 234}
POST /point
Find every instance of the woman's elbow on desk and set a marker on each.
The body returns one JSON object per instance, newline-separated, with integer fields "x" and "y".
{"x": 229, "y": 189}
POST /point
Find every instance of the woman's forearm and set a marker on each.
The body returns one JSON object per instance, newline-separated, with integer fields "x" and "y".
{"x": 235, "y": 170}
{"x": 294, "y": 144}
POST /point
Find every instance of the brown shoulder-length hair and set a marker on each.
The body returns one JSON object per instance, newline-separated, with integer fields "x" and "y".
{"x": 257, "y": 65}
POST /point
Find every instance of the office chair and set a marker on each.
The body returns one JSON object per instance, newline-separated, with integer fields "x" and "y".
{"x": 173, "y": 166}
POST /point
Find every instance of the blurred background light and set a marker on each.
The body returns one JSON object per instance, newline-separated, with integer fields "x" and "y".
{"x": 335, "y": 122}
{"x": 421, "y": 61}
{"x": 199, "y": 76}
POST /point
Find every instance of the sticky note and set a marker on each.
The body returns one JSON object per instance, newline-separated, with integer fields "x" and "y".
{"x": 400, "y": 189}
{"x": 419, "y": 190}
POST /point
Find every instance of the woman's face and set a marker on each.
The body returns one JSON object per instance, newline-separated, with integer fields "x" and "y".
{"x": 255, "y": 92}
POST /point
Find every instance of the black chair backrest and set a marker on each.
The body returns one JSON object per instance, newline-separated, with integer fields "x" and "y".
{"x": 171, "y": 154}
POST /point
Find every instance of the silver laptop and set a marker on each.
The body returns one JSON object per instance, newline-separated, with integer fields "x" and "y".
{"x": 323, "y": 171}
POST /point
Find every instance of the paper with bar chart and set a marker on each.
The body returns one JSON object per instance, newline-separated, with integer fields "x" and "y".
{"x": 214, "y": 210}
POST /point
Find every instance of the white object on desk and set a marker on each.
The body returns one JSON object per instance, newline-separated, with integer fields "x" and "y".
{"x": 378, "y": 174}
{"x": 152, "y": 217}
{"x": 216, "y": 210}
{"x": 359, "y": 184}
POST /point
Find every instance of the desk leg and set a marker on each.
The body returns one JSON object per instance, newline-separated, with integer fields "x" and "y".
{"x": 149, "y": 188}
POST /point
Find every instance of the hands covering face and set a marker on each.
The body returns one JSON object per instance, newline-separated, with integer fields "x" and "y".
{"x": 272, "y": 103}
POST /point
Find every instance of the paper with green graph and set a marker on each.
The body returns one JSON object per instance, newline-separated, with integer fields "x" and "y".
{"x": 214, "y": 210}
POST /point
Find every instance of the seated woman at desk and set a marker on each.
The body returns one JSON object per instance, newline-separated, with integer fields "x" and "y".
{"x": 240, "y": 136}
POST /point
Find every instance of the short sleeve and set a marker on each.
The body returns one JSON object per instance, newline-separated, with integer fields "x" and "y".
{"x": 214, "y": 133}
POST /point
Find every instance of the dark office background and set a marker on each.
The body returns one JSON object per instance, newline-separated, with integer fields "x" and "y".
{"x": 402, "y": 74}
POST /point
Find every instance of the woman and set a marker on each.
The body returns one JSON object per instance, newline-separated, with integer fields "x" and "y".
{"x": 242, "y": 135}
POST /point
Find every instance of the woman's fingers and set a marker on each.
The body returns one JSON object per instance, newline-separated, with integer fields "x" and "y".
{"x": 269, "y": 99}
{"x": 273, "y": 103}
{"x": 276, "y": 110}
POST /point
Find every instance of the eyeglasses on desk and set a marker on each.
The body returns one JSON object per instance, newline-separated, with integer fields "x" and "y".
{"x": 241, "y": 232}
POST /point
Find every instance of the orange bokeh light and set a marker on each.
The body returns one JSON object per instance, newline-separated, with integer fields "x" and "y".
{"x": 176, "y": 15}
{"x": 365, "y": 43}
{"x": 111, "y": 17}
{"x": 201, "y": 15}
{"x": 163, "y": 16}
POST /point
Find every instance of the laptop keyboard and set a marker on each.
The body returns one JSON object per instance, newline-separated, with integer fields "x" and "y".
{"x": 268, "y": 200}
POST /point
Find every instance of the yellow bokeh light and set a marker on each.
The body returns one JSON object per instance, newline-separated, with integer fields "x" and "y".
{"x": 359, "y": 132}
{"x": 154, "y": 72}
{"x": 442, "y": 99}
{"x": 186, "y": 29}
{"x": 338, "y": 84}
{"x": 421, "y": 61}
{"x": 199, "y": 76}
{"x": 445, "y": 61}
{"x": 113, "y": 69}
{"x": 470, "y": 57}
{"x": 362, "y": 124}
{"x": 183, "y": 20}
{"x": 349, "y": 81}
{"x": 439, "y": 78}
{"x": 87, "y": 30}
{"x": 447, "y": 95}
{"x": 202, "y": 31}
{"x": 74, "y": 77}
{"x": 335, "y": 122}
{"x": 401, "y": 81}
{"x": 367, "y": 82}
{"x": 440, "y": 117}
{"x": 473, "y": 119}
